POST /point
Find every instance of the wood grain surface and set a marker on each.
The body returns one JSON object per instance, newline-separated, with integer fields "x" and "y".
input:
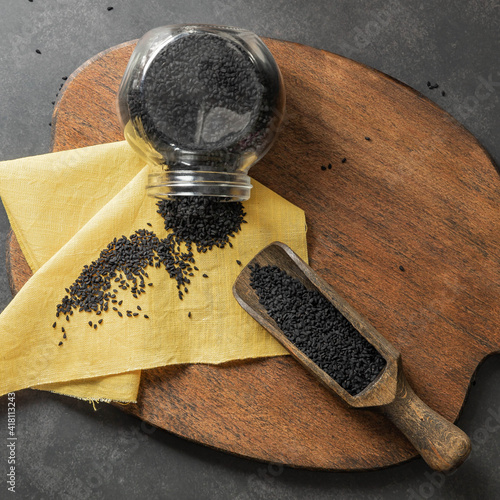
{"x": 406, "y": 229}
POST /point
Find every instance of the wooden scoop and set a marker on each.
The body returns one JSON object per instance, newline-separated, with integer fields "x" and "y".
{"x": 441, "y": 444}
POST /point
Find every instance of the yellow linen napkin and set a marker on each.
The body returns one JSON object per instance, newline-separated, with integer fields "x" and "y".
{"x": 65, "y": 208}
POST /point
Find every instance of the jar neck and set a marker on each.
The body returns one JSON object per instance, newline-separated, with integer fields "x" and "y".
{"x": 229, "y": 186}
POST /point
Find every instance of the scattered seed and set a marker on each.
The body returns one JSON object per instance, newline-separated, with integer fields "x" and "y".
{"x": 401, "y": 268}
{"x": 344, "y": 160}
{"x": 329, "y": 166}
{"x": 100, "y": 321}
{"x": 110, "y": 8}
{"x": 367, "y": 139}
{"x": 323, "y": 167}
{"x": 60, "y": 343}
{"x": 146, "y": 316}
{"x": 443, "y": 93}
{"x": 54, "y": 325}
{"x": 90, "y": 324}
{"x": 125, "y": 259}
{"x": 38, "y": 51}
{"x": 149, "y": 224}
{"x": 64, "y": 336}
{"x": 238, "y": 262}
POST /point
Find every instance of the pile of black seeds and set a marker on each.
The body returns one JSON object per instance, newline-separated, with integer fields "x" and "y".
{"x": 122, "y": 266}
{"x": 317, "y": 328}
{"x": 202, "y": 221}
{"x": 202, "y": 92}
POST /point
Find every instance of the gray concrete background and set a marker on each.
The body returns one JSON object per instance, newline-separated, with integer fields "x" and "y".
{"x": 64, "y": 448}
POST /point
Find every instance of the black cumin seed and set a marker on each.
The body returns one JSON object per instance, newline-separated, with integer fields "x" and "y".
{"x": 128, "y": 257}
{"x": 62, "y": 329}
{"x": 90, "y": 324}
{"x": 238, "y": 262}
{"x": 120, "y": 314}
{"x": 95, "y": 326}
{"x": 135, "y": 314}
{"x": 205, "y": 275}
{"x": 38, "y": 51}
{"x": 146, "y": 316}
{"x": 100, "y": 321}
{"x": 60, "y": 343}
{"x": 344, "y": 160}
{"x": 139, "y": 308}
{"x": 64, "y": 336}
{"x": 323, "y": 167}
{"x": 149, "y": 224}
{"x": 443, "y": 93}
{"x": 54, "y": 325}
{"x": 401, "y": 268}
{"x": 317, "y": 328}
{"x": 367, "y": 138}
{"x": 189, "y": 314}
{"x": 110, "y": 8}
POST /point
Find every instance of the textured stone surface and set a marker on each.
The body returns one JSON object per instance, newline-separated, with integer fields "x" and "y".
{"x": 64, "y": 448}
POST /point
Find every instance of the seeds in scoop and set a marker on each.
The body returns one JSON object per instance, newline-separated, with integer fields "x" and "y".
{"x": 317, "y": 328}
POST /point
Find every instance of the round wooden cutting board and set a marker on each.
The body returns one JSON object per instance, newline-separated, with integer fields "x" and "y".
{"x": 402, "y": 207}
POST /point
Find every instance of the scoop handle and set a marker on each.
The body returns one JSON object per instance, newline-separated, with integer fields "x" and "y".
{"x": 440, "y": 443}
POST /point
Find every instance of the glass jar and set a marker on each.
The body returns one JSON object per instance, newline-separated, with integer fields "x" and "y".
{"x": 201, "y": 104}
